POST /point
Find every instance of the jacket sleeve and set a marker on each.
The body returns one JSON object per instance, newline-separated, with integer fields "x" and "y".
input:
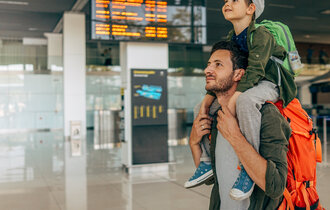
{"x": 210, "y": 93}
{"x": 274, "y": 137}
{"x": 260, "y": 51}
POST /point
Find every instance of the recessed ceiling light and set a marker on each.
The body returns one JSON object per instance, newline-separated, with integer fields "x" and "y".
{"x": 307, "y": 36}
{"x": 326, "y": 12}
{"x": 15, "y": 2}
{"x": 305, "y": 18}
{"x": 33, "y": 29}
{"x": 282, "y": 6}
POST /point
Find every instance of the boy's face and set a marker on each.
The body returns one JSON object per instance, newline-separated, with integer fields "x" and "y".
{"x": 235, "y": 9}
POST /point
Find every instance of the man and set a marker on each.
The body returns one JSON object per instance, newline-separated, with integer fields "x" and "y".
{"x": 268, "y": 169}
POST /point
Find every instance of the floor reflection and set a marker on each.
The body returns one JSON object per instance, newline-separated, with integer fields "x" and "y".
{"x": 41, "y": 171}
{"x": 75, "y": 175}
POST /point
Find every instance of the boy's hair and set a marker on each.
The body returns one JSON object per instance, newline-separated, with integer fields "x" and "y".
{"x": 238, "y": 57}
{"x": 248, "y": 2}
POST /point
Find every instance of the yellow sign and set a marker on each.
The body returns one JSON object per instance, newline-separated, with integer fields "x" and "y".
{"x": 143, "y": 72}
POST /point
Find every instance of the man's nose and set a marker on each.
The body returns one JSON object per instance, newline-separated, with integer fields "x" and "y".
{"x": 208, "y": 69}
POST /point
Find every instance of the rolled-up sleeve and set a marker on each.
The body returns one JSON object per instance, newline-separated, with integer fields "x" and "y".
{"x": 274, "y": 138}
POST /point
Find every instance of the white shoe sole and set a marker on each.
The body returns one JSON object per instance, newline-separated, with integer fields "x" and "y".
{"x": 201, "y": 180}
{"x": 238, "y": 195}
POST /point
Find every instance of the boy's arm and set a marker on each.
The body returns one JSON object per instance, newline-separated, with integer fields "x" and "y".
{"x": 206, "y": 103}
{"x": 260, "y": 51}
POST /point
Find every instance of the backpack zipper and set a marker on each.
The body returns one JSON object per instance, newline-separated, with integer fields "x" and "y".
{"x": 286, "y": 35}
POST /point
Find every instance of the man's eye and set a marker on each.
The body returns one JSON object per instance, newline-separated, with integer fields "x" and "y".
{"x": 218, "y": 64}
{"x": 225, "y": 1}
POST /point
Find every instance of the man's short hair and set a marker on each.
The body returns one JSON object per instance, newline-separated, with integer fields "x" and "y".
{"x": 238, "y": 57}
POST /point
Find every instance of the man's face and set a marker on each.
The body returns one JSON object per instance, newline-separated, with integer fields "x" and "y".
{"x": 219, "y": 72}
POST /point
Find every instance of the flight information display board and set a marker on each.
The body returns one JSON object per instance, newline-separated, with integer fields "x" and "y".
{"x": 179, "y": 21}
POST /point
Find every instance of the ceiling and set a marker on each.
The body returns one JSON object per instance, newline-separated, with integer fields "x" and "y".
{"x": 304, "y": 18}
{"x": 32, "y": 18}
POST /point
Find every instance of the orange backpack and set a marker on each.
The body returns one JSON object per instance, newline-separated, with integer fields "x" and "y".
{"x": 304, "y": 151}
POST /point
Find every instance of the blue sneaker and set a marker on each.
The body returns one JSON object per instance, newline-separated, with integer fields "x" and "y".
{"x": 202, "y": 174}
{"x": 243, "y": 187}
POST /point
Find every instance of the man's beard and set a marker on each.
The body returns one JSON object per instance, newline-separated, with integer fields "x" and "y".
{"x": 222, "y": 85}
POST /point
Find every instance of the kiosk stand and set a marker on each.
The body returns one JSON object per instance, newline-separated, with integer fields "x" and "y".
{"x": 144, "y": 80}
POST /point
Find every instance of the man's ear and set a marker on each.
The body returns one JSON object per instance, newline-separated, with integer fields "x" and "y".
{"x": 251, "y": 9}
{"x": 238, "y": 74}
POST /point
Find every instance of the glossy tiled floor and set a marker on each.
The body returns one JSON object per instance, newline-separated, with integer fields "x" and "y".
{"x": 38, "y": 172}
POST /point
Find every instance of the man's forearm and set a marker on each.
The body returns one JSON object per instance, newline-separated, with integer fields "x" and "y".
{"x": 196, "y": 153}
{"x": 254, "y": 164}
{"x": 201, "y": 127}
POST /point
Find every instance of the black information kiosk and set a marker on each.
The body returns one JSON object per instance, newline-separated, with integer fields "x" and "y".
{"x": 149, "y": 116}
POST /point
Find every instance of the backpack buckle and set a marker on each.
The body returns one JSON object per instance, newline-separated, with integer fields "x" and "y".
{"x": 307, "y": 184}
{"x": 314, "y": 130}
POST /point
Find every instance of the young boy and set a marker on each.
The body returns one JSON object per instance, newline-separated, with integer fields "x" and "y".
{"x": 263, "y": 81}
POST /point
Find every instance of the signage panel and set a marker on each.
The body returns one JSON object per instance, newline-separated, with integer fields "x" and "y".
{"x": 181, "y": 21}
{"x": 149, "y": 97}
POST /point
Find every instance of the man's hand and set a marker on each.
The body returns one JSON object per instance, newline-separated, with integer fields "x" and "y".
{"x": 227, "y": 124}
{"x": 254, "y": 164}
{"x": 201, "y": 127}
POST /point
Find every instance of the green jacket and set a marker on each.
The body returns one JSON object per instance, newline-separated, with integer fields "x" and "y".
{"x": 261, "y": 48}
{"x": 274, "y": 137}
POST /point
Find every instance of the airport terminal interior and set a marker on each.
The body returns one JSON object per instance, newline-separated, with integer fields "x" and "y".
{"x": 97, "y": 98}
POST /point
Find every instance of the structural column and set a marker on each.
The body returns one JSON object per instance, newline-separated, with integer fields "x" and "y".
{"x": 75, "y": 175}
{"x": 54, "y": 51}
{"x": 74, "y": 60}
{"x": 141, "y": 56}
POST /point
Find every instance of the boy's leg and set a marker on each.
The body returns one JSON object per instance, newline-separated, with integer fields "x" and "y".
{"x": 248, "y": 107}
{"x": 205, "y": 146}
{"x": 204, "y": 171}
{"x": 205, "y": 142}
